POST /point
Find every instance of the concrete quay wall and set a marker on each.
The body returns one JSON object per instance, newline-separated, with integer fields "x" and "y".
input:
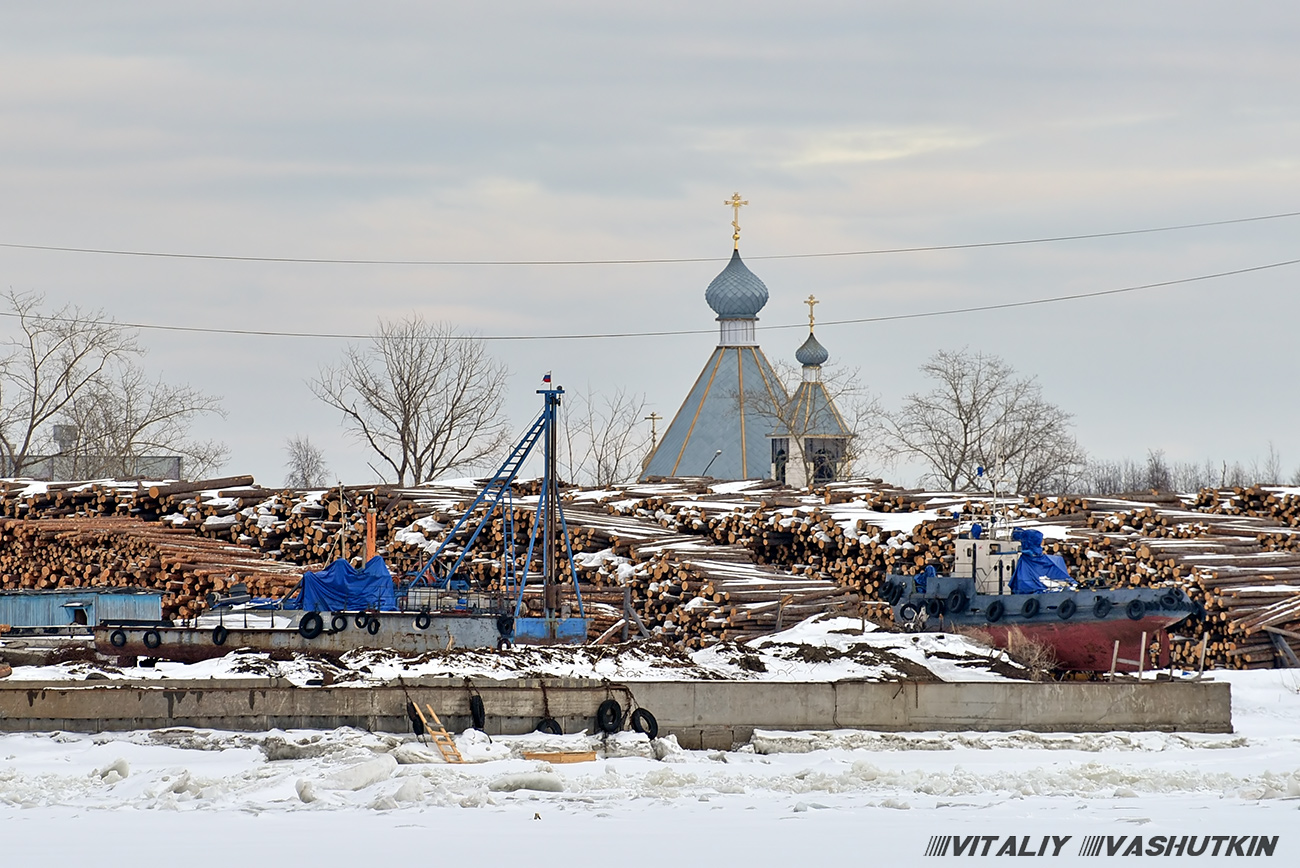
{"x": 702, "y": 714}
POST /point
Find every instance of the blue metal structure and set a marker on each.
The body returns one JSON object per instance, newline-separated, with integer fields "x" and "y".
{"x": 78, "y": 606}
{"x": 549, "y": 524}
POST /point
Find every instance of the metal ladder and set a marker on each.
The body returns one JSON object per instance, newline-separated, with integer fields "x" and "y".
{"x": 497, "y": 488}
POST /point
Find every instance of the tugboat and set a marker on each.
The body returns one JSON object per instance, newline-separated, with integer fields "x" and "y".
{"x": 1005, "y": 587}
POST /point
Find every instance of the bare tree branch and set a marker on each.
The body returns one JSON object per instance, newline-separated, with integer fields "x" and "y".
{"x": 604, "y": 438}
{"x": 981, "y": 414}
{"x": 306, "y": 466}
{"x": 426, "y": 400}
{"x": 52, "y": 361}
{"x": 122, "y": 417}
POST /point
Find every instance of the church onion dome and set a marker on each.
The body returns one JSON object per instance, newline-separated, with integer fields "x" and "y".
{"x": 812, "y": 354}
{"x": 736, "y": 293}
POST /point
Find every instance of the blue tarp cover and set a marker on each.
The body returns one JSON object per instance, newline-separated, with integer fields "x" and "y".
{"x": 340, "y": 587}
{"x": 1034, "y": 566}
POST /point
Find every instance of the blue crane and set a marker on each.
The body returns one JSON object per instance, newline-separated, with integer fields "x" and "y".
{"x": 548, "y": 520}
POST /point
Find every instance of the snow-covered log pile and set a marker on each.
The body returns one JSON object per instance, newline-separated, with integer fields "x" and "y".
{"x": 705, "y": 562}
{"x": 1236, "y": 552}
{"x": 116, "y": 552}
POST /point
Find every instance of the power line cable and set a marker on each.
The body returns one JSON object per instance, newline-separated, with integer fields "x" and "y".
{"x": 652, "y": 334}
{"x": 660, "y": 261}
{"x": 1059, "y": 298}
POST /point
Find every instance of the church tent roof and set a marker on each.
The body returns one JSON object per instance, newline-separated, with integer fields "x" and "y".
{"x": 728, "y": 408}
{"x": 812, "y": 413}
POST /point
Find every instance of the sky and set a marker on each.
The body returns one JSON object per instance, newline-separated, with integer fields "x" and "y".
{"x": 576, "y": 130}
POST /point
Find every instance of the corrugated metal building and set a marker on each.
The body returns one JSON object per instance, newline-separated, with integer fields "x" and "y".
{"x": 68, "y": 606}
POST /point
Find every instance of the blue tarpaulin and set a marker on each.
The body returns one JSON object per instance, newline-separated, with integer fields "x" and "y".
{"x": 1034, "y": 566}
{"x": 923, "y": 579}
{"x": 341, "y": 587}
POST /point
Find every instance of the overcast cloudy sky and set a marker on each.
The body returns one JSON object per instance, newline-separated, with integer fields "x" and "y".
{"x": 577, "y": 130}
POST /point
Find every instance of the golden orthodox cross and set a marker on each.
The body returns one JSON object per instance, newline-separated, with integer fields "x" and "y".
{"x": 654, "y": 430}
{"x": 810, "y": 302}
{"x": 735, "y": 202}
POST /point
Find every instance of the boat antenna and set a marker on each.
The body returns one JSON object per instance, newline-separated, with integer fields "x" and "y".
{"x": 991, "y": 472}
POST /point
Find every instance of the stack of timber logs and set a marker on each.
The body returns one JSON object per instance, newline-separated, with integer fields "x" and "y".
{"x": 123, "y": 552}
{"x": 697, "y": 565}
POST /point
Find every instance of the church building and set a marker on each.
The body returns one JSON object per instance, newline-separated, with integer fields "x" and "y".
{"x": 738, "y": 421}
{"x": 810, "y": 444}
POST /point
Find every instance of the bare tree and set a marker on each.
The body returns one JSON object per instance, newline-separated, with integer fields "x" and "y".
{"x": 306, "y": 466}
{"x": 982, "y": 415}
{"x": 604, "y": 437}
{"x": 50, "y": 362}
{"x": 425, "y": 399}
{"x": 122, "y": 419}
{"x": 1159, "y": 477}
{"x": 1270, "y": 472}
{"x": 76, "y": 370}
{"x": 1113, "y": 477}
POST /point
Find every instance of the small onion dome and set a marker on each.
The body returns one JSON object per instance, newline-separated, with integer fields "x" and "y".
{"x": 812, "y": 354}
{"x": 736, "y": 293}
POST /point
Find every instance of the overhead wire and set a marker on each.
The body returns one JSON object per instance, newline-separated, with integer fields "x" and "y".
{"x": 676, "y": 332}
{"x": 104, "y": 251}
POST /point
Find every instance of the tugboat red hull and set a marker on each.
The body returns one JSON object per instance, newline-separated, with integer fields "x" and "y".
{"x": 1089, "y": 645}
{"x": 1079, "y": 627}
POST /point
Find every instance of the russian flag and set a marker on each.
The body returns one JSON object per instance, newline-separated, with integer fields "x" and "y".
{"x": 547, "y": 378}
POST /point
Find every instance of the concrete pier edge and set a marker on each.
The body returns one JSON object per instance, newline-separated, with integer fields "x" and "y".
{"x": 702, "y": 714}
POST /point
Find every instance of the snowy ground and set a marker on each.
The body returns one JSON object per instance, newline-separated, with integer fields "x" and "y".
{"x": 822, "y": 648}
{"x": 202, "y": 798}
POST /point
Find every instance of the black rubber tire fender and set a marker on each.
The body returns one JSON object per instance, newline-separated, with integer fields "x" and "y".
{"x": 995, "y": 611}
{"x": 502, "y": 643}
{"x": 958, "y": 601}
{"x": 477, "y": 714}
{"x": 339, "y": 622}
{"x": 372, "y": 626}
{"x": 643, "y": 721}
{"x": 1066, "y": 610}
{"x": 311, "y": 625}
{"x": 152, "y": 638}
{"x": 423, "y": 620}
{"x": 220, "y": 634}
{"x": 1101, "y": 607}
{"x": 934, "y": 607}
{"x": 908, "y": 611}
{"x": 505, "y": 624}
{"x": 413, "y": 715}
{"x": 1135, "y": 610}
{"x": 609, "y": 716}
{"x": 1169, "y": 600}
{"x": 549, "y": 726}
{"x": 117, "y": 638}
{"x": 361, "y": 621}
{"x": 1029, "y": 608}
